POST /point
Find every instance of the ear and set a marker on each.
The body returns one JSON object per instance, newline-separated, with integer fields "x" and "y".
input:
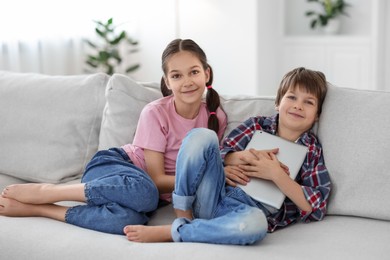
{"x": 276, "y": 107}
{"x": 207, "y": 72}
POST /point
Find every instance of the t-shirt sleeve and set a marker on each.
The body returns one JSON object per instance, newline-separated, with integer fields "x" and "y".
{"x": 151, "y": 130}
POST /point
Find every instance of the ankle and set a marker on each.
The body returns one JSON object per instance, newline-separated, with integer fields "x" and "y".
{"x": 184, "y": 213}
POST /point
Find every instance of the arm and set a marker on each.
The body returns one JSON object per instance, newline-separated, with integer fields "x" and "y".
{"x": 235, "y": 158}
{"x": 289, "y": 187}
{"x": 315, "y": 183}
{"x": 155, "y": 167}
{"x": 235, "y": 174}
{"x": 310, "y": 195}
{"x": 268, "y": 167}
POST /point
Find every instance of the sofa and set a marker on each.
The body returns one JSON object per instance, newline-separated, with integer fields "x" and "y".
{"x": 52, "y": 125}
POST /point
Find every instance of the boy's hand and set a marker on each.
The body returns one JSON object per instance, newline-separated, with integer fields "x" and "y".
{"x": 235, "y": 175}
{"x": 264, "y": 166}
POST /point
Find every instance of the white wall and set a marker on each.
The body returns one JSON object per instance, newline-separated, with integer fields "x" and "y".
{"x": 354, "y": 58}
{"x": 155, "y": 26}
{"x": 269, "y": 31}
{"x": 386, "y": 68}
{"x": 297, "y": 23}
{"x": 226, "y": 31}
{"x": 241, "y": 38}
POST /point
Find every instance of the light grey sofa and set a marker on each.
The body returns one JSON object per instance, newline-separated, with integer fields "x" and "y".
{"x": 52, "y": 125}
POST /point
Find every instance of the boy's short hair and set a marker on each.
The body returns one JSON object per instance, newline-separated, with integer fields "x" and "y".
{"x": 314, "y": 82}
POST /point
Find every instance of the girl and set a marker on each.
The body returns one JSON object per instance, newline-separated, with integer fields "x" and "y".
{"x": 210, "y": 212}
{"x": 115, "y": 186}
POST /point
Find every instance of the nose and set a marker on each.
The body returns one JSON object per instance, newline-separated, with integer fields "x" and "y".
{"x": 298, "y": 105}
{"x": 188, "y": 82}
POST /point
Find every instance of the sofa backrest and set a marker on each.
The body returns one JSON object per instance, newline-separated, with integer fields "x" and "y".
{"x": 49, "y": 125}
{"x": 126, "y": 98}
{"x": 354, "y": 132}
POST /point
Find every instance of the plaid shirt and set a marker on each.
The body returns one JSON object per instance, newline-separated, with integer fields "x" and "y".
{"x": 313, "y": 176}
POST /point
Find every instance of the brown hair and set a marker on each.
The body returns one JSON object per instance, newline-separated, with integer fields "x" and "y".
{"x": 314, "y": 82}
{"x": 212, "y": 96}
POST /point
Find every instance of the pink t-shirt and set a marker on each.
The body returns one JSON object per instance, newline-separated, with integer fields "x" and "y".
{"x": 161, "y": 129}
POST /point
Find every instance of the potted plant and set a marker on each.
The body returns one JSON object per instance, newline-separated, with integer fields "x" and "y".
{"x": 107, "y": 55}
{"x": 327, "y": 18}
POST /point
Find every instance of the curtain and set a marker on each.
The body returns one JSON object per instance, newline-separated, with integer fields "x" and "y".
{"x": 47, "y": 56}
{"x": 48, "y": 36}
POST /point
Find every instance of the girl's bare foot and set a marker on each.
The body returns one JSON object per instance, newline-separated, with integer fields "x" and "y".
{"x": 139, "y": 233}
{"x": 34, "y": 193}
{"x": 43, "y": 193}
{"x": 14, "y": 208}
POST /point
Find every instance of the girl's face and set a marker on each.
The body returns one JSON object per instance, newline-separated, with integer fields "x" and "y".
{"x": 186, "y": 78}
{"x": 297, "y": 110}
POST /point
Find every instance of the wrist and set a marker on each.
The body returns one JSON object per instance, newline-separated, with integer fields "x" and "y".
{"x": 279, "y": 175}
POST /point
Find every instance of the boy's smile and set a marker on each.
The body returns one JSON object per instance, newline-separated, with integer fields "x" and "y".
{"x": 297, "y": 113}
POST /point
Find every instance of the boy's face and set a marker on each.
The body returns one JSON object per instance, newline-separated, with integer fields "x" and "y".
{"x": 297, "y": 110}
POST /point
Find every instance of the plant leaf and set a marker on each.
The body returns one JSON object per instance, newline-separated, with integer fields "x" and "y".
{"x": 132, "y": 68}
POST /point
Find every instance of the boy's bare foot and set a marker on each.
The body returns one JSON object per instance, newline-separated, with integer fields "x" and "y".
{"x": 14, "y": 208}
{"x": 44, "y": 193}
{"x": 139, "y": 233}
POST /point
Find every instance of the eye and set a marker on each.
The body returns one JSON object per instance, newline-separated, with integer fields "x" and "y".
{"x": 310, "y": 102}
{"x": 292, "y": 97}
{"x": 194, "y": 72}
{"x": 175, "y": 76}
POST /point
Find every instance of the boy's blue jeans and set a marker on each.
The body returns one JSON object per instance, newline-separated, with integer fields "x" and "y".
{"x": 117, "y": 192}
{"x": 222, "y": 215}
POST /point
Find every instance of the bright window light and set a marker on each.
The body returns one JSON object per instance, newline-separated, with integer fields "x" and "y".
{"x": 30, "y": 20}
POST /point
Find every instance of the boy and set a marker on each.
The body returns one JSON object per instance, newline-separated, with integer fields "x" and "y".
{"x": 210, "y": 212}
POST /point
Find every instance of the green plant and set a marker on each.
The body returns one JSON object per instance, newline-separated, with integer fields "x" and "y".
{"x": 330, "y": 10}
{"x": 107, "y": 55}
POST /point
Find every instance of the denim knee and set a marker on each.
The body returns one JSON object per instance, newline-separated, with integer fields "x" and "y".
{"x": 200, "y": 138}
{"x": 253, "y": 226}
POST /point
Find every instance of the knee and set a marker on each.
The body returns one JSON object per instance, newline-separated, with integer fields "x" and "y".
{"x": 258, "y": 221}
{"x": 149, "y": 197}
{"x": 252, "y": 225}
{"x": 199, "y": 138}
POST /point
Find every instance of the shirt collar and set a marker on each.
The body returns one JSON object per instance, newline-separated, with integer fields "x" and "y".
{"x": 271, "y": 126}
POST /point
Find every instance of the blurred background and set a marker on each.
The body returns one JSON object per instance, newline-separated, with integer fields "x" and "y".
{"x": 250, "y": 44}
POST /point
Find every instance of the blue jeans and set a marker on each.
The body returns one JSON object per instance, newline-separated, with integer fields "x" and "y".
{"x": 222, "y": 215}
{"x": 117, "y": 194}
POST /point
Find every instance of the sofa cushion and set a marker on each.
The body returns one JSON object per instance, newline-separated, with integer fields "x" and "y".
{"x": 49, "y": 124}
{"x": 240, "y": 108}
{"x": 353, "y": 154}
{"x": 126, "y": 98}
{"x": 125, "y": 101}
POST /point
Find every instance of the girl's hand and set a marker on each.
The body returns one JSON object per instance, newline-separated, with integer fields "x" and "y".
{"x": 235, "y": 175}
{"x": 265, "y": 165}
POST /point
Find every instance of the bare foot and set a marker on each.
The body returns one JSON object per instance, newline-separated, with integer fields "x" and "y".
{"x": 43, "y": 193}
{"x": 14, "y": 208}
{"x": 139, "y": 233}
{"x": 34, "y": 193}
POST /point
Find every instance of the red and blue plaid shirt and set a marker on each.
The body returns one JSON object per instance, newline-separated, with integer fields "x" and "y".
{"x": 313, "y": 176}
